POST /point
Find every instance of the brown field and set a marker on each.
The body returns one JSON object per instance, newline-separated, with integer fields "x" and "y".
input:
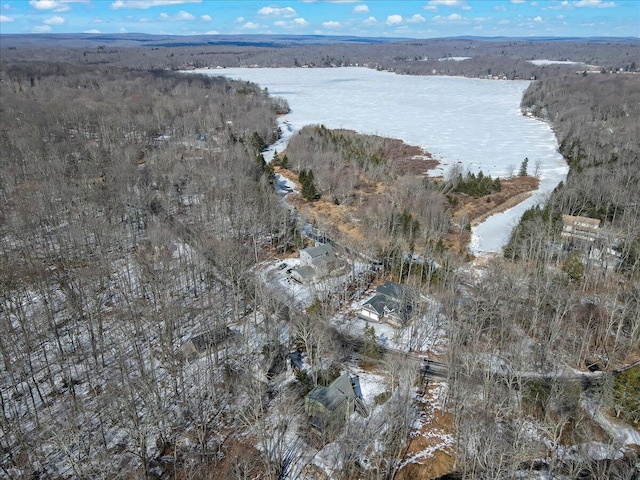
{"x": 476, "y": 210}
{"x": 441, "y": 461}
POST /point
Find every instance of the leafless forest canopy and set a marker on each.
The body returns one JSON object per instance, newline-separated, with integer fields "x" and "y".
{"x": 508, "y": 57}
{"x": 136, "y": 213}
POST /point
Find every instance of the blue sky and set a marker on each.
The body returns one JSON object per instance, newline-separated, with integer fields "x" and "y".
{"x": 378, "y": 18}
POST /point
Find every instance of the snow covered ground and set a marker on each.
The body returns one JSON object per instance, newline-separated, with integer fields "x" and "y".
{"x": 543, "y": 61}
{"x": 474, "y": 122}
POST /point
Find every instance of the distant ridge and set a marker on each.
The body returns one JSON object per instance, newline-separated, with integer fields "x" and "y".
{"x": 71, "y": 40}
{"x": 547, "y": 39}
{"x": 87, "y": 40}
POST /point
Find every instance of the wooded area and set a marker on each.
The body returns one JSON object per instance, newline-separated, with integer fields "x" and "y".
{"x": 142, "y": 242}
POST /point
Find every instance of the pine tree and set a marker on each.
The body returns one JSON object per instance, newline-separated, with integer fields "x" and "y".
{"x": 371, "y": 348}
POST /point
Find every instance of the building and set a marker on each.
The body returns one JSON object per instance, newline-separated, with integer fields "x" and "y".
{"x": 320, "y": 257}
{"x": 329, "y": 408}
{"x": 580, "y": 228}
{"x": 207, "y": 342}
{"x": 314, "y": 261}
{"x": 392, "y": 303}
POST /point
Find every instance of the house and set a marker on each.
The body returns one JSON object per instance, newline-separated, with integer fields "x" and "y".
{"x": 303, "y": 274}
{"x": 314, "y": 261}
{"x": 320, "y": 257}
{"x": 392, "y": 304}
{"x": 329, "y": 408}
{"x": 580, "y": 228}
{"x": 206, "y": 342}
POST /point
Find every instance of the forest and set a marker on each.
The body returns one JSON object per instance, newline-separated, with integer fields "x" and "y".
{"x": 151, "y": 330}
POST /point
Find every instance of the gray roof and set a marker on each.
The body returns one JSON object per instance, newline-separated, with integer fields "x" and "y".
{"x": 304, "y": 272}
{"x": 381, "y": 304}
{"x": 319, "y": 251}
{"x": 391, "y": 298}
{"x": 393, "y": 290}
{"x": 296, "y": 359}
{"x": 340, "y": 390}
{"x": 207, "y": 340}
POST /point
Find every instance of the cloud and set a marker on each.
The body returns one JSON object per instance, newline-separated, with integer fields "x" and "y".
{"x": 205, "y": 18}
{"x": 55, "y": 20}
{"x": 331, "y": 24}
{"x": 295, "y": 23}
{"x": 286, "y": 12}
{"x": 251, "y": 26}
{"x": 394, "y": 19}
{"x": 500, "y": 8}
{"x": 181, "y": 16}
{"x": 595, "y": 4}
{"x": 561, "y": 5}
{"x": 454, "y": 17}
{"x": 538, "y": 19}
{"x": 55, "y": 5}
{"x": 361, "y": 9}
{"x": 122, "y": 30}
{"x": 417, "y": 18}
{"x": 5, "y": 19}
{"x": 240, "y": 20}
{"x": 145, "y": 4}
{"x": 92, "y": 31}
{"x": 41, "y": 29}
{"x": 445, "y": 3}
{"x": 518, "y": 1}
{"x": 434, "y": 4}
{"x": 370, "y": 21}
{"x": 212, "y": 32}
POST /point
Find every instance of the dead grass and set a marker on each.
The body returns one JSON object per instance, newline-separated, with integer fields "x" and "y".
{"x": 442, "y": 460}
{"x": 476, "y": 210}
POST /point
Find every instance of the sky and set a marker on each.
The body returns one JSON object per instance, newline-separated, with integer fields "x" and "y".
{"x": 373, "y": 18}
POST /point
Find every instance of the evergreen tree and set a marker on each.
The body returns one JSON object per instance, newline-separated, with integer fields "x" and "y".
{"x": 309, "y": 190}
{"x": 371, "y": 348}
{"x": 523, "y": 167}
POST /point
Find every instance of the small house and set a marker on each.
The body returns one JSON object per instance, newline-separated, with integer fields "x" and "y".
{"x": 207, "y": 342}
{"x": 329, "y": 408}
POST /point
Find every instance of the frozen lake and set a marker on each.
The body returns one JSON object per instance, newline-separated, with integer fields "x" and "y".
{"x": 475, "y": 122}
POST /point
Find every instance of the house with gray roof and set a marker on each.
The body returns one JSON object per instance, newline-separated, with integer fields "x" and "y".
{"x": 392, "y": 304}
{"x": 329, "y": 408}
{"x": 207, "y": 342}
{"x": 319, "y": 257}
{"x": 314, "y": 261}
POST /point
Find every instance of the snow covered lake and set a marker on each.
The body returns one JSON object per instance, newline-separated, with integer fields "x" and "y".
{"x": 475, "y": 122}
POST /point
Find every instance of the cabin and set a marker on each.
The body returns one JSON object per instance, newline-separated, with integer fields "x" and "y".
{"x": 207, "y": 342}
{"x": 329, "y": 408}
